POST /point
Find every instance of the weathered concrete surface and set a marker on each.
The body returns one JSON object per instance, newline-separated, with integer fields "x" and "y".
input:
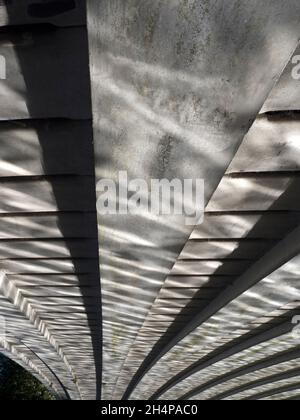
{"x": 176, "y": 86}
{"x": 249, "y": 378}
{"x": 49, "y": 269}
{"x": 259, "y": 393}
{"x": 256, "y": 194}
{"x": 272, "y": 145}
{"x": 271, "y": 299}
{"x": 289, "y": 393}
{"x": 28, "y": 346}
{"x": 219, "y": 365}
{"x": 285, "y": 97}
{"x": 242, "y": 226}
{"x": 254, "y": 200}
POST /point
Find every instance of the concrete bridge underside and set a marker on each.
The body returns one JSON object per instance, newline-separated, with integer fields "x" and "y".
{"x": 140, "y": 306}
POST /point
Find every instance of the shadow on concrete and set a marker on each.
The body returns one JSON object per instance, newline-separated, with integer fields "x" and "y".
{"x": 34, "y": 99}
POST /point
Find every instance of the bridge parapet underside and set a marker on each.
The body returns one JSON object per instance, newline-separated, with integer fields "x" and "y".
{"x": 185, "y": 89}
{"x": 49, "y": 270}
{"x": 194, "y": 89}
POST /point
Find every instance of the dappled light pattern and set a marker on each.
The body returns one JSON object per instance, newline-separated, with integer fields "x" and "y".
{"x": 231, "y": 389}
{"x": 285, "y": 96}
{"x": 164, "y": 108}
{"x": 181, "y": 89}
{"x": 256, "y": 393}
{"x": 271, "y": 299}
{"x": 30, "y": 347}
{"x": 293, "y": 393}
{"x": 49, "y": 286}
{"x": 254, "y": 354}
{"x": 260, "y": 186}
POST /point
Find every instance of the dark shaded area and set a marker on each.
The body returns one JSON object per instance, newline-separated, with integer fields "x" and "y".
{"x": 60, "y": 13}
{"x": 61, "y": 82}
{"x": 49, "y": 9}
{"x": 17, "y": 384}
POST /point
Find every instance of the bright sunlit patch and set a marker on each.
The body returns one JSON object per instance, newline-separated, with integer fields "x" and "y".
{"x": 294, "y": 141}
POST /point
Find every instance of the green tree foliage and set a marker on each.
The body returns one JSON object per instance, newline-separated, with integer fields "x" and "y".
{"x": 17, "y": 384}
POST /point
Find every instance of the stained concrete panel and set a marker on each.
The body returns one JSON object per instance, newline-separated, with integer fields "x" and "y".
{"x": 257, "y": 193}
{"x": 272, "y": 145}
{"x": 285, "y": 97}
{"x": 167, "y": 110}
